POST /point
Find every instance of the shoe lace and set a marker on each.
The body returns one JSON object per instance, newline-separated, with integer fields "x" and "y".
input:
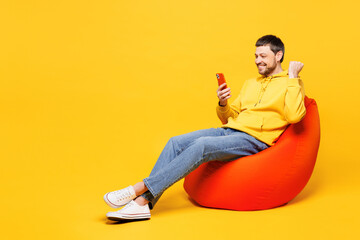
{"x": 121, "y": 194}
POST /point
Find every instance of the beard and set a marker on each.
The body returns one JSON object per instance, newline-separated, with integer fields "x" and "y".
{"x": 266, "y": 70}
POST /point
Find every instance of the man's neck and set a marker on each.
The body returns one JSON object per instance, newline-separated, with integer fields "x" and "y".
{"x": 277, "y": 70}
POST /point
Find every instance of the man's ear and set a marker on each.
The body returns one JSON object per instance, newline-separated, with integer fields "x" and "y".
{"x": 279, "y": 55}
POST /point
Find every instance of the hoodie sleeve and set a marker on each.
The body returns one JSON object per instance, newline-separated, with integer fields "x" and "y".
{"x": 230, "y": 111}
{"x": 294, "y": 100}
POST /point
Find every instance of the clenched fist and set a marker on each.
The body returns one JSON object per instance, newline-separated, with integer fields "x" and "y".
{"x": 295, "y": 68}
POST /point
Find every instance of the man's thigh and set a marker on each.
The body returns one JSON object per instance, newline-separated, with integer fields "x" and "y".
{"x": 184, "y": 140}
{"x": 230, "y": 146}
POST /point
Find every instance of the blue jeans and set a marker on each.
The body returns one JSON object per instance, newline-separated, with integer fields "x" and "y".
{"x": 184, "y": 153}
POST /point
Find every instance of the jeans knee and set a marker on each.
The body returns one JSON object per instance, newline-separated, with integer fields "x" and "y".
{"x": 172, "y": 140}
{"x": 178, "y": 140}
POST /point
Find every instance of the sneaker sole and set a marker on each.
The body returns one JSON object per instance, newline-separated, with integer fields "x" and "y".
{"x": 129, "y": 217}
{"x": 110, "y": 204}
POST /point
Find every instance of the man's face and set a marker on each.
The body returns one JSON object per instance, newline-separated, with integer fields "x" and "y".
{"x": 265, "y": 60}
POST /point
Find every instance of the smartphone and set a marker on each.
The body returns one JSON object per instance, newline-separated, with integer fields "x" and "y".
{"x": 221, "y": 79}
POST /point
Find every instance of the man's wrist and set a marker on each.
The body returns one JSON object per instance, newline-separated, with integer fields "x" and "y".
{"x": 221, "y": 105}
{"x": 292, "y": 76}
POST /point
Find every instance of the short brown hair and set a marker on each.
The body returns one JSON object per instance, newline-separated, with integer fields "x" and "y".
{"x": 274, "y": 42}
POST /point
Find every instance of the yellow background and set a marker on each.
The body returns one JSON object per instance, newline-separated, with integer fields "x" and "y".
{"x": 90, "y": 92}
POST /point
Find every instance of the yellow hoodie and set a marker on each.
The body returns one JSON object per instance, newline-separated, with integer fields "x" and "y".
{"x": 265, "y": 106}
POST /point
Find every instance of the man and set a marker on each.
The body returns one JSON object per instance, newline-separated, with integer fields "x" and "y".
{"x": 252, "y": 123}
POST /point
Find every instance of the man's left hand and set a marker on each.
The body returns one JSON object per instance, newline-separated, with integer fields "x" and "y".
{"x": 295, "y": 68}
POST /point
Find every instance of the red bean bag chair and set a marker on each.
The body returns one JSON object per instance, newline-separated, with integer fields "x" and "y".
{"x": 264, "y": 180}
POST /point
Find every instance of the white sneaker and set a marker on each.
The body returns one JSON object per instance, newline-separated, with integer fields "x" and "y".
{"x": 119, "y": 198}
{"x": 132, "y": 211}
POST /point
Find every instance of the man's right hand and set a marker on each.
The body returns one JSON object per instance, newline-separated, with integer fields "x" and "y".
{"x": 223, "y": 94}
